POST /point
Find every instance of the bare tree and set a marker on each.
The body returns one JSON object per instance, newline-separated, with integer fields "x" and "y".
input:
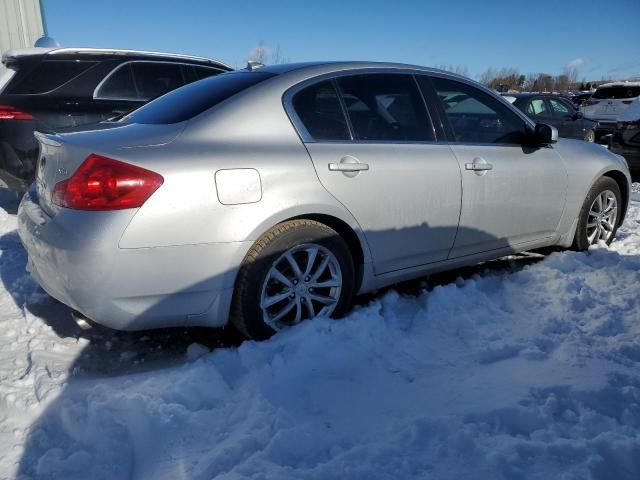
{"x": 259, "y": 53}
{"x": 277, "y": 57}
{"x": 459, "y": 69}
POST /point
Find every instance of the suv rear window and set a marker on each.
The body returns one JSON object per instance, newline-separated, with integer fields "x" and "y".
{"x": 47, "y": 76}
{"x": 186, "y": 102}
{"x": 616, "y": 93}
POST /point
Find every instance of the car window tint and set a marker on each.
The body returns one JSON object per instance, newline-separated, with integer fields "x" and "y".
{"x": 186, "y": 102}
{"x": 385, "y": 107}
{"x": 48, "y": 75}
{"x": 319, "y": 110}
{"x": 560, "y": 108}
{"x": 615, "y": 93}
{"x": 537, "y": 108}
{"x": 153, "y": 79}
{"x": 476, "y": 116}
{"x": 119, "y": 85}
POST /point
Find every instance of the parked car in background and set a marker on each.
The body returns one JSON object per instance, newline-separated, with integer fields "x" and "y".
{"x": 579, "y": 98}
{"x": 608, "y": 101}
{"x": 271, "y": 196}
{"x": 557, "y": 111}
{"x": 45, "y": 89}
{"x": 625, "y": 140}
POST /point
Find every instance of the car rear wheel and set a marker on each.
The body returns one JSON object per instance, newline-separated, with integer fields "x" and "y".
{"x": 590, "y": 136}
{"x": 600, "y": 214}
{"x": 298, "y": 270}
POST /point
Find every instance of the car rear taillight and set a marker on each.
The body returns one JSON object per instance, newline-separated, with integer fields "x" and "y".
{"x": 102, "y": 183}
{"x": 588, "y": 103}
{"x": 8, "y": 112}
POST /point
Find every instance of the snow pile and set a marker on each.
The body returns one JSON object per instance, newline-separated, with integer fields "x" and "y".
{"x": 506, "y": 375}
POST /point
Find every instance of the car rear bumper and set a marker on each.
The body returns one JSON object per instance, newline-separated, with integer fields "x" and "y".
{"x": 75, "y": 258}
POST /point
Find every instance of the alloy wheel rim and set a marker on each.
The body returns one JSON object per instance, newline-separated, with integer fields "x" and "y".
{"x": 602, "y": 217}
{"x": 304, "y": 282}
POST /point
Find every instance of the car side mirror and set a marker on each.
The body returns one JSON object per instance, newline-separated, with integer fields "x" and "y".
{"x": 545, "y": 134}
{"x": 578, "y": 115}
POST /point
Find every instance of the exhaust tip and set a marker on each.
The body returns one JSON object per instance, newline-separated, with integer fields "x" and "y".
{"x": 81, "y": 320}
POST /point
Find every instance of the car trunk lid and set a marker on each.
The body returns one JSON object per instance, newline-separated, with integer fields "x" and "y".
{"x": 62, "y": 152}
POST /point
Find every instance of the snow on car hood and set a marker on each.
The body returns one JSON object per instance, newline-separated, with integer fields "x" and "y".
{"x": 515, "y": 372}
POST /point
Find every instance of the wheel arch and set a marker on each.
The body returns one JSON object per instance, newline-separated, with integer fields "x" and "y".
{"x": 621, "y": 179}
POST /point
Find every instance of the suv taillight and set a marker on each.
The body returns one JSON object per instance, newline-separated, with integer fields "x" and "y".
{"x": 7, "y": 112}
{"x": 102, "y": 183}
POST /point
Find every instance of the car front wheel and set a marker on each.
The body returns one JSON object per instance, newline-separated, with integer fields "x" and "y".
{"x": 298, "y": 270}
{"x": 600, "y": 214}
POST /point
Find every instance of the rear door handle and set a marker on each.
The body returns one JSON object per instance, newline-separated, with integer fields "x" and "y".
{"x": 348, "y": 167}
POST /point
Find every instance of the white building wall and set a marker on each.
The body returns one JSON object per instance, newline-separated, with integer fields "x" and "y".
{"x": 20, "y": 24}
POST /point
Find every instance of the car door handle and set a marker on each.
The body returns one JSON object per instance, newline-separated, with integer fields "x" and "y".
{"x": 478, "y": 165}
{"x": 348, "y": 167}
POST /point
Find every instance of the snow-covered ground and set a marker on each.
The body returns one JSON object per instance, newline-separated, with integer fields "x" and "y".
{"x": 526, "y": 370}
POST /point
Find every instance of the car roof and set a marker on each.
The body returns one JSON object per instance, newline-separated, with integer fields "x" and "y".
{"x": 619, "y": 84}
{"x": 334, "y": 66}
{"x": 12, "y": 55}
{"x": 531, "y": 94}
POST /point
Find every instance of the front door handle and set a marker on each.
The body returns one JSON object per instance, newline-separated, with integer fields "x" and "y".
{"x": 479, "y": 164}
{"x": 348, "y": 167}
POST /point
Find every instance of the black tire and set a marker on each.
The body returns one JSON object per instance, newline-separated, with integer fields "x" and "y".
{"x": 246, "y": 313}
{"x": 580, "y": 241}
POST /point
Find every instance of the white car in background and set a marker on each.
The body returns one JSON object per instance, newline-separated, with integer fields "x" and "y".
{"x": 608, "y": 102}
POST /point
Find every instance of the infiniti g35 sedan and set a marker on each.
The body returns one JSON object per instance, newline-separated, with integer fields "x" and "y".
{"x": 266, "y": 197}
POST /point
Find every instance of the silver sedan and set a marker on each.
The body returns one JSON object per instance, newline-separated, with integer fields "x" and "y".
{"x": 269, "y": 196}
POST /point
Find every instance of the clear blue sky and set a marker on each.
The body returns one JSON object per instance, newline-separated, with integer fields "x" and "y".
{"x": 532, "y": 36}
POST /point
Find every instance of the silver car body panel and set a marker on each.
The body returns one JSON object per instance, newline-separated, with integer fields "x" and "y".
{"x": 174, "y": 260}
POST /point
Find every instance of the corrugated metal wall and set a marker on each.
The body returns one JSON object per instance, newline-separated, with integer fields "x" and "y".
{"x": 20, "y": 24}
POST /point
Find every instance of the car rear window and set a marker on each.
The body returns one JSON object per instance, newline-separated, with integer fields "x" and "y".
{"x": 47, "y": 76}
{"x": 186, "y": 102}
{"x": 615, "y": 93}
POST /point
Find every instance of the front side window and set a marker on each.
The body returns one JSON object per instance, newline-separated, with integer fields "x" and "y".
{"x": 385, "y": 107}
{"x": 537, "y": 108}
{"x": 476, "y": 116}
{"x": 560, "y": 109}
{"x": 318, "y": 107}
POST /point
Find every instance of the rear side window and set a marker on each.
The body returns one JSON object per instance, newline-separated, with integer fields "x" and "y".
{"x": 48, "y": 75}
{"x": 477, "y": 117}
{"x": 385, "y": 107}
{"x": 141, "y": 81}
{"x": 186, "y": 102}
{"x": 318, "y": 107}
{"x": 154, "y": 79}
{"x": 538, "y": 108}
{"x": 616, "y": 93}
{"x": 119, "y": 85}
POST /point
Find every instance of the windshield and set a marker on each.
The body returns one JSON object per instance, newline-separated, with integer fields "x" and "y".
{"x": 186, "y": 102}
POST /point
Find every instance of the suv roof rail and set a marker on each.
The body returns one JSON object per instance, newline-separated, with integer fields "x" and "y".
{"x": 13, "y": 54}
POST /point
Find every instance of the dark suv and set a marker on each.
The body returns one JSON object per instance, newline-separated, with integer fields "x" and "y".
{"x": 48, "y": 89}
{"x": 555, "y": 110}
